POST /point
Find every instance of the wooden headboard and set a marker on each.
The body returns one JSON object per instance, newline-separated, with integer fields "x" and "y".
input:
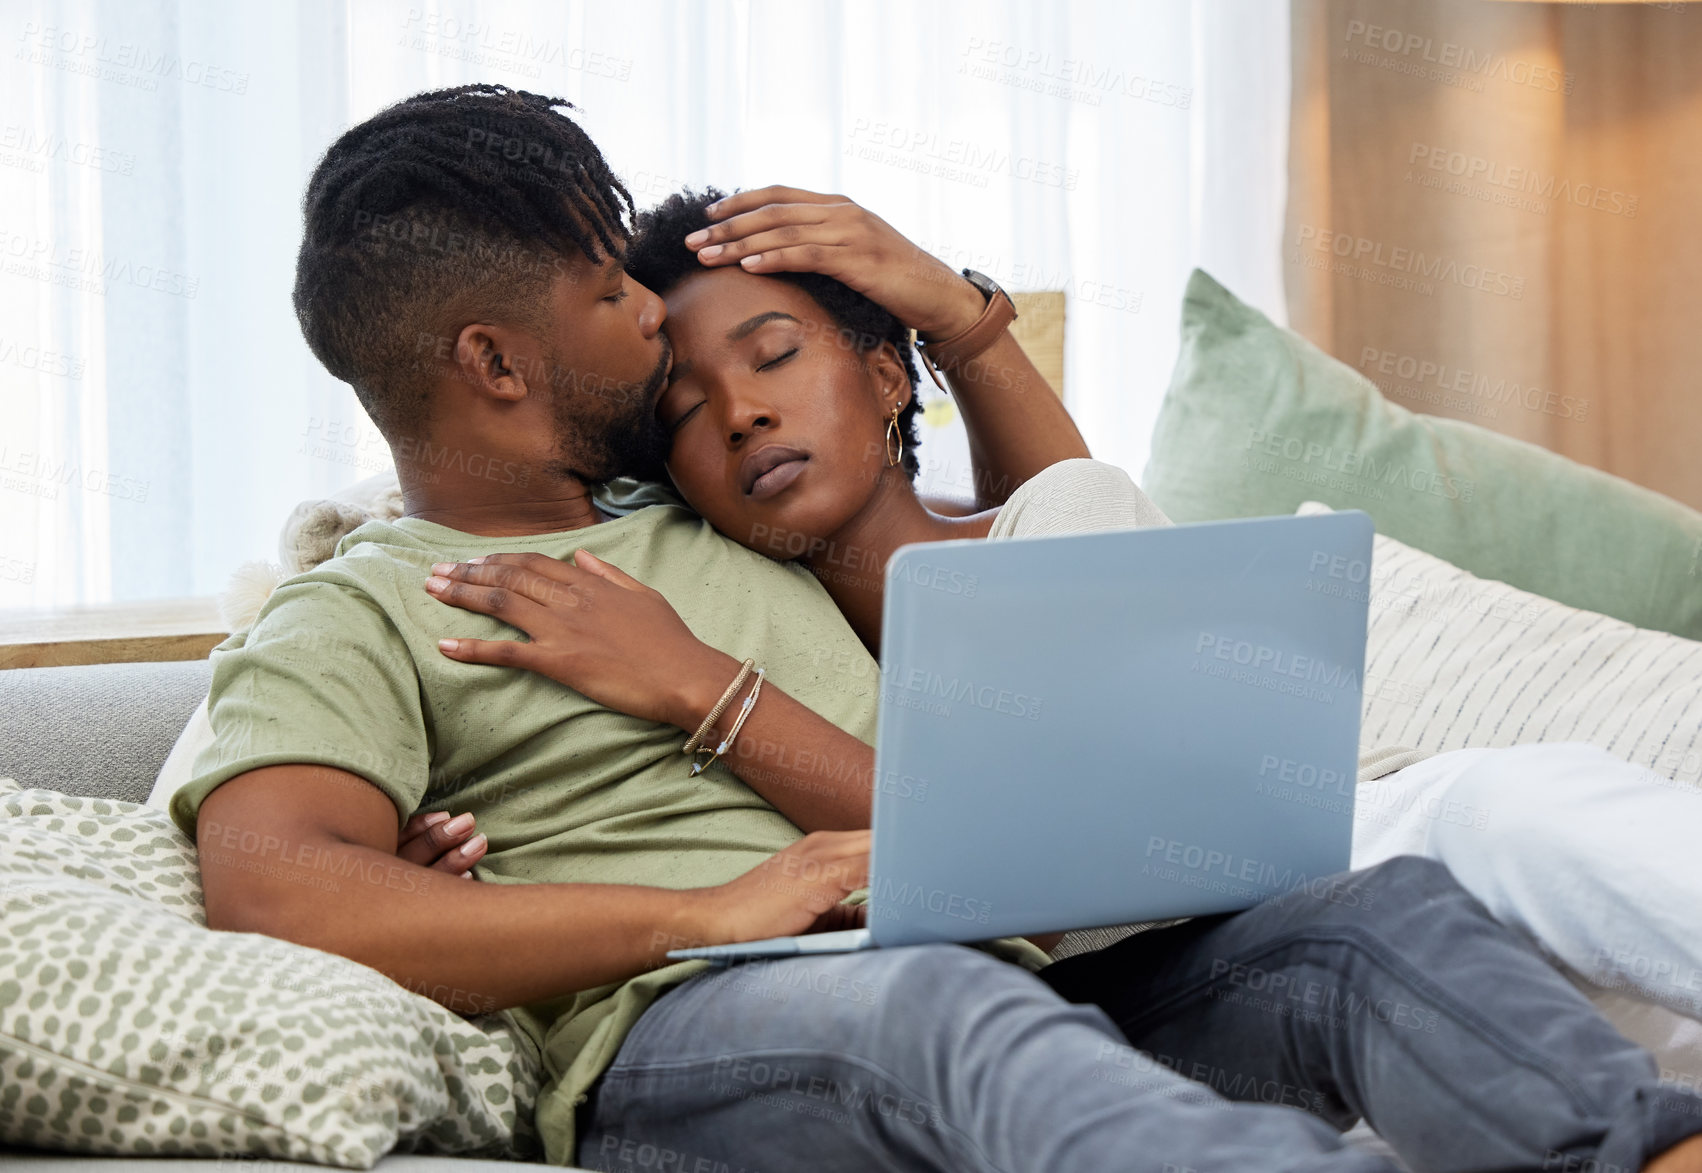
{"x": 1039, "y": 330}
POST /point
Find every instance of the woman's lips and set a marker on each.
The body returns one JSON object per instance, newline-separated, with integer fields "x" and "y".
{"x": 776, "y": 479}
{"x": 761, "y": 461}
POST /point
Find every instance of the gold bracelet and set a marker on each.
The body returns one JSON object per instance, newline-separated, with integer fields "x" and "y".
{"x": 744, "y": 711}
{"x": 691, "y": 746}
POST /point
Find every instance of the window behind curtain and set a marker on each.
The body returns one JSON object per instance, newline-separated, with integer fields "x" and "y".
{"x": 160, "y": 414}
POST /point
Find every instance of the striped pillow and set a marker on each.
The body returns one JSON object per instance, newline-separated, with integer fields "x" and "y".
{"x": 1455, "y": 661}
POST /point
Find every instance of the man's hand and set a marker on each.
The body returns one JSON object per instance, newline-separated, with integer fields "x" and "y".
{"x": 593, "y": 628}
{"x": 787, "y": 230}
{"x": 434, "y": 840}
{"x": 307, "y": 853}
{"x": 797, "y": 890}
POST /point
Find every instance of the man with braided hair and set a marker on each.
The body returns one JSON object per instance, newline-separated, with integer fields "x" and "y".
{"x": 461, "y": 267}
{"x": 480, "y": 202}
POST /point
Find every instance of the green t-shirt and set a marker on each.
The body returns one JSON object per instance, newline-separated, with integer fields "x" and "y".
{"x": 342, "y": 669}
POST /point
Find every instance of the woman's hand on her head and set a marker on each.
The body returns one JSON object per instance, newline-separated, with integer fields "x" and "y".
{"x": 593, "y": 627}
{"x": 434, "y": 840}
{"x": 788, "y": 230}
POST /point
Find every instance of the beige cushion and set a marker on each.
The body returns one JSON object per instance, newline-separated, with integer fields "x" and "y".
{"x": 127, "y": 1026}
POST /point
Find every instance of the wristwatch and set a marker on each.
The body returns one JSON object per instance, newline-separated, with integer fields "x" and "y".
{"x": 950, "y": 353}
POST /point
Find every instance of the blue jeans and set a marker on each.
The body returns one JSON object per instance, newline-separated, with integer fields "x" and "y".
{"x": 1226, "y": 1043}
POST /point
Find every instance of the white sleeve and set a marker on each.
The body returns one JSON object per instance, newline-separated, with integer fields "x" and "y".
{"x": 1076, "y": 497}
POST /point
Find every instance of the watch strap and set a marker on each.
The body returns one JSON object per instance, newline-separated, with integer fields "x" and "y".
{"x": 951, "y": 353}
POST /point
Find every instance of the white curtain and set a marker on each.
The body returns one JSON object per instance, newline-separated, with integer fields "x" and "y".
{"x": 160, "y": 414}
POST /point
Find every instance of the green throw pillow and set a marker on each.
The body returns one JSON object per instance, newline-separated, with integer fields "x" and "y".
{"x": 1258, "y": 420}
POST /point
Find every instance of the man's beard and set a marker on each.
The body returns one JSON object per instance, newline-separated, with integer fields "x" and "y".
{"x": 625, "y": 440}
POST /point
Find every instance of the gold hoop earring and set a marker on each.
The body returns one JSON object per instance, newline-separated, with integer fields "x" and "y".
{"x": 892, "y": 432}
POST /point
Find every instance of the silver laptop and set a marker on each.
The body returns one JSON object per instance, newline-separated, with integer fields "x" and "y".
{"x": 1108, "y": 728}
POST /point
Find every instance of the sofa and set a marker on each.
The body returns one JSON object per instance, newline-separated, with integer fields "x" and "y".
{"x": 1256, "y": 422}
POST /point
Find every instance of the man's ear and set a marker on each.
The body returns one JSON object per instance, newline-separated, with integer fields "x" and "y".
{"x": 892, "y": 379}
{"x": 485, "y": 359}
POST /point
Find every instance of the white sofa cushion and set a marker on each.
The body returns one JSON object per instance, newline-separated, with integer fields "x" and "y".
{"x": 1454, "y": 661}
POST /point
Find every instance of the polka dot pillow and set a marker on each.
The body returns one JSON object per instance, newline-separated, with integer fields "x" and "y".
{"x": 127, "y": 1026}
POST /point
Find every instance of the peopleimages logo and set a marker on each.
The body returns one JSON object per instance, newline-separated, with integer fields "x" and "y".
{"x": 1360, "y": 464}
{"x": 1042, "y": 274}
{"x": 1475, "y": 168}
{"x": 1455, "y": 56}
{"x": 1065, "y": 77}
{"x": 39, "y": 474}
{"x": 887, "y": 895}
{"x": 35, "y": 358}
{"x": 34, "y": 146}
{"x": 1264, "y": 658}
{"x": 1305, "y": 774}
{"x": 939, "y": 578}
{"x": 923, "y": 685}
{"x": 1230, "y": 868}
{"x": 85, "y": 269}
{"x": 125, "y": 62}
{"x": 923, "y": 149}
{"x": 1421, "y": 374}
{"x": 1360, "y": 250}
{"x": 514, "y": 49}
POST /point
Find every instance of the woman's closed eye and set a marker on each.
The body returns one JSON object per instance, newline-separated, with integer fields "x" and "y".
{"x": 680, "y": 423}
{"x": 768, "y": 364}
